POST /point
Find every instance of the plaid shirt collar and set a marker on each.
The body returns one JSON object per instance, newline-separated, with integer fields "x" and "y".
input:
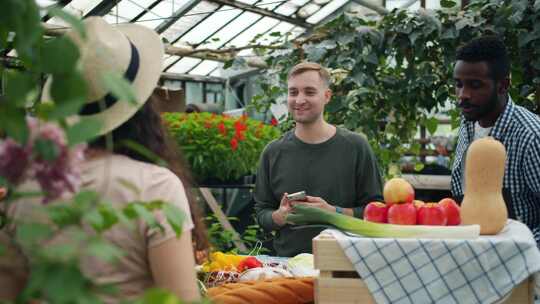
{"x": 501, "y": 125}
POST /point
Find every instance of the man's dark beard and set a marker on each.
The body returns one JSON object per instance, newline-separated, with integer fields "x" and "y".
{"x": 483, "y": 110}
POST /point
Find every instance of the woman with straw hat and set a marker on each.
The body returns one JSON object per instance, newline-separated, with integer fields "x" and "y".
{"x": 151, "y": 258}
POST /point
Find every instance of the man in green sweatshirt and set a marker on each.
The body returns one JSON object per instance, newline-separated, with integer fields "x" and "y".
{"x": 335, "y": 167}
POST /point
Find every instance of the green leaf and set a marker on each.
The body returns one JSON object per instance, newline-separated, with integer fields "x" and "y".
{"x": 104, "y": 217}
{"x": 418, "y": 167}
{"x": 60, "y": 55}
{"x": 335, "y": 105}
{"x": 95, "y": 219}
{"x": 346, "y": 38}
{"x": 516, "y": 17}
{"x": 432, "y": 124}
{"x": 119, "y": 87}
{"x": 147, "y": 216}
{"x": 49, "y": 279}
{"x": 104, "y": 250}
{"x": 83, "y": 131}
{"x": 46, "y": 149}
{"x": 85, "y": 199}
{"x": 327, "y": 44}
{"x": 449, "y": 33}
{"x": 228, "y": 64}
{"x": 158, "y": 296}
{"x": 64, "y": 215}
{"x": 314, "y": 53}
{"x": 526, "y": 38}
{"x": 175, "y": 216}
{"x": 138, "y": 210}
{"x": 415, "y": 148}
{"x": 13, "y": 123}
{"x": 18, "y": 86}
{"x": 372, "y": 58}
{"x": 75, "y": 22}
{"x": 26, "y": 24}
{"x": 4, "y": 34}
{"x": 62, "y": 252}
{"x": 447, "y": 3}
{"x": 463, "y": 22}
{"x": 69, "y": 95}
{"x": 33, "y": 233}
{"x": 537, "y": 5}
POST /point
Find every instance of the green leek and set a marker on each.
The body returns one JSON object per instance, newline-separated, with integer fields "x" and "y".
{"x": 304, "y": 215}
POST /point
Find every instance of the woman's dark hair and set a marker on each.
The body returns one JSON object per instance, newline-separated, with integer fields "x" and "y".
{"x": 146, "y": 129}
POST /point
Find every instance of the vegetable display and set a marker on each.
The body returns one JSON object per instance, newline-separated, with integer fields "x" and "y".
{"x": 303, "y": 215}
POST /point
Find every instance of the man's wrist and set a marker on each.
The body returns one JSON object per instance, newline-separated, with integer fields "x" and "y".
{"x": 279, "y": 218}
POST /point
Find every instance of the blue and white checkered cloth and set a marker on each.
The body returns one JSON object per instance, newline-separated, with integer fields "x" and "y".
{"x": 418, "y": 271}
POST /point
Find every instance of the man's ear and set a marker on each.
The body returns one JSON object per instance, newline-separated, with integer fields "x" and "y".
{"x": 327, "y": 95}
{"x": 503, "y": 86}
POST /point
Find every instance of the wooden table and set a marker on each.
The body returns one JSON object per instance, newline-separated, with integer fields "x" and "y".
{"x": 339, "y": 282}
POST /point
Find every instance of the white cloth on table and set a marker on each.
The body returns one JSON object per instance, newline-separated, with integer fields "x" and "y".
{"x": 417, "y": 271}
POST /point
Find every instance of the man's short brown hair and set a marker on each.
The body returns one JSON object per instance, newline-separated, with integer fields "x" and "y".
{"x": 310, "y": 66}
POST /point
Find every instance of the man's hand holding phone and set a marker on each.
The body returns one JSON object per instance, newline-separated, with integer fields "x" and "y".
{"x": 297, "y": 196}
{"x": 280, "y": 214}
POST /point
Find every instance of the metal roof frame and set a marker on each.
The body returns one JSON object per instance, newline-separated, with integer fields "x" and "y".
{"x": 177, "y": 15}
{"x": 104, "y": 7}
{"x": 263, "y": 12}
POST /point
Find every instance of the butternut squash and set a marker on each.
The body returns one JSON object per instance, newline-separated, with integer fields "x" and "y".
{"x": 483, "y": 202}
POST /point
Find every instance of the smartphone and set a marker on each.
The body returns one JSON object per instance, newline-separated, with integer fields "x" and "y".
{"x": 297, "y": 196}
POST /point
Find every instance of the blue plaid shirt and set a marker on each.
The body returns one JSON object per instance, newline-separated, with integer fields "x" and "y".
{"x": 519, "y": 131}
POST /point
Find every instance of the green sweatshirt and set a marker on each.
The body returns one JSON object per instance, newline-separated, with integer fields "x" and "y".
{"x": 342, "y": 170}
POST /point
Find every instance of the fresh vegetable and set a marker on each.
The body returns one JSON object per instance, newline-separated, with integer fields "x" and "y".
{"x": 302, "y": 260}
{"x": 220, "y": 261}
{"x": 483, "y": 202}
{"x": 303, "y": 215}
{"x": 302, "y": 265}
{"x": 248, "y": 263}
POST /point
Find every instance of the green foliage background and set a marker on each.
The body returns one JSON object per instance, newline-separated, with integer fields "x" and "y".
{"x": 389, "y": 74}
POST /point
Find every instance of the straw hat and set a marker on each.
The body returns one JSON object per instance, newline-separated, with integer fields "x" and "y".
{"x": 132, "y": 50}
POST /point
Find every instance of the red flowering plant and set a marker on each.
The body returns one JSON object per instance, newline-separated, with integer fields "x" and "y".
{"x": 219, "y": 146}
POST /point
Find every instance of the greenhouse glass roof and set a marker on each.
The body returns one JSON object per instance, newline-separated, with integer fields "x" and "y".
{"x": 220, "y": 24}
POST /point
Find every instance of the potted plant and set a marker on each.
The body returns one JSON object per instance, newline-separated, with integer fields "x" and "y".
{"x": 219, "y": 148}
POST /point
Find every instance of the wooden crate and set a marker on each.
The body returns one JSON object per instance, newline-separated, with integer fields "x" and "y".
{"x": 339, "y": 283}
